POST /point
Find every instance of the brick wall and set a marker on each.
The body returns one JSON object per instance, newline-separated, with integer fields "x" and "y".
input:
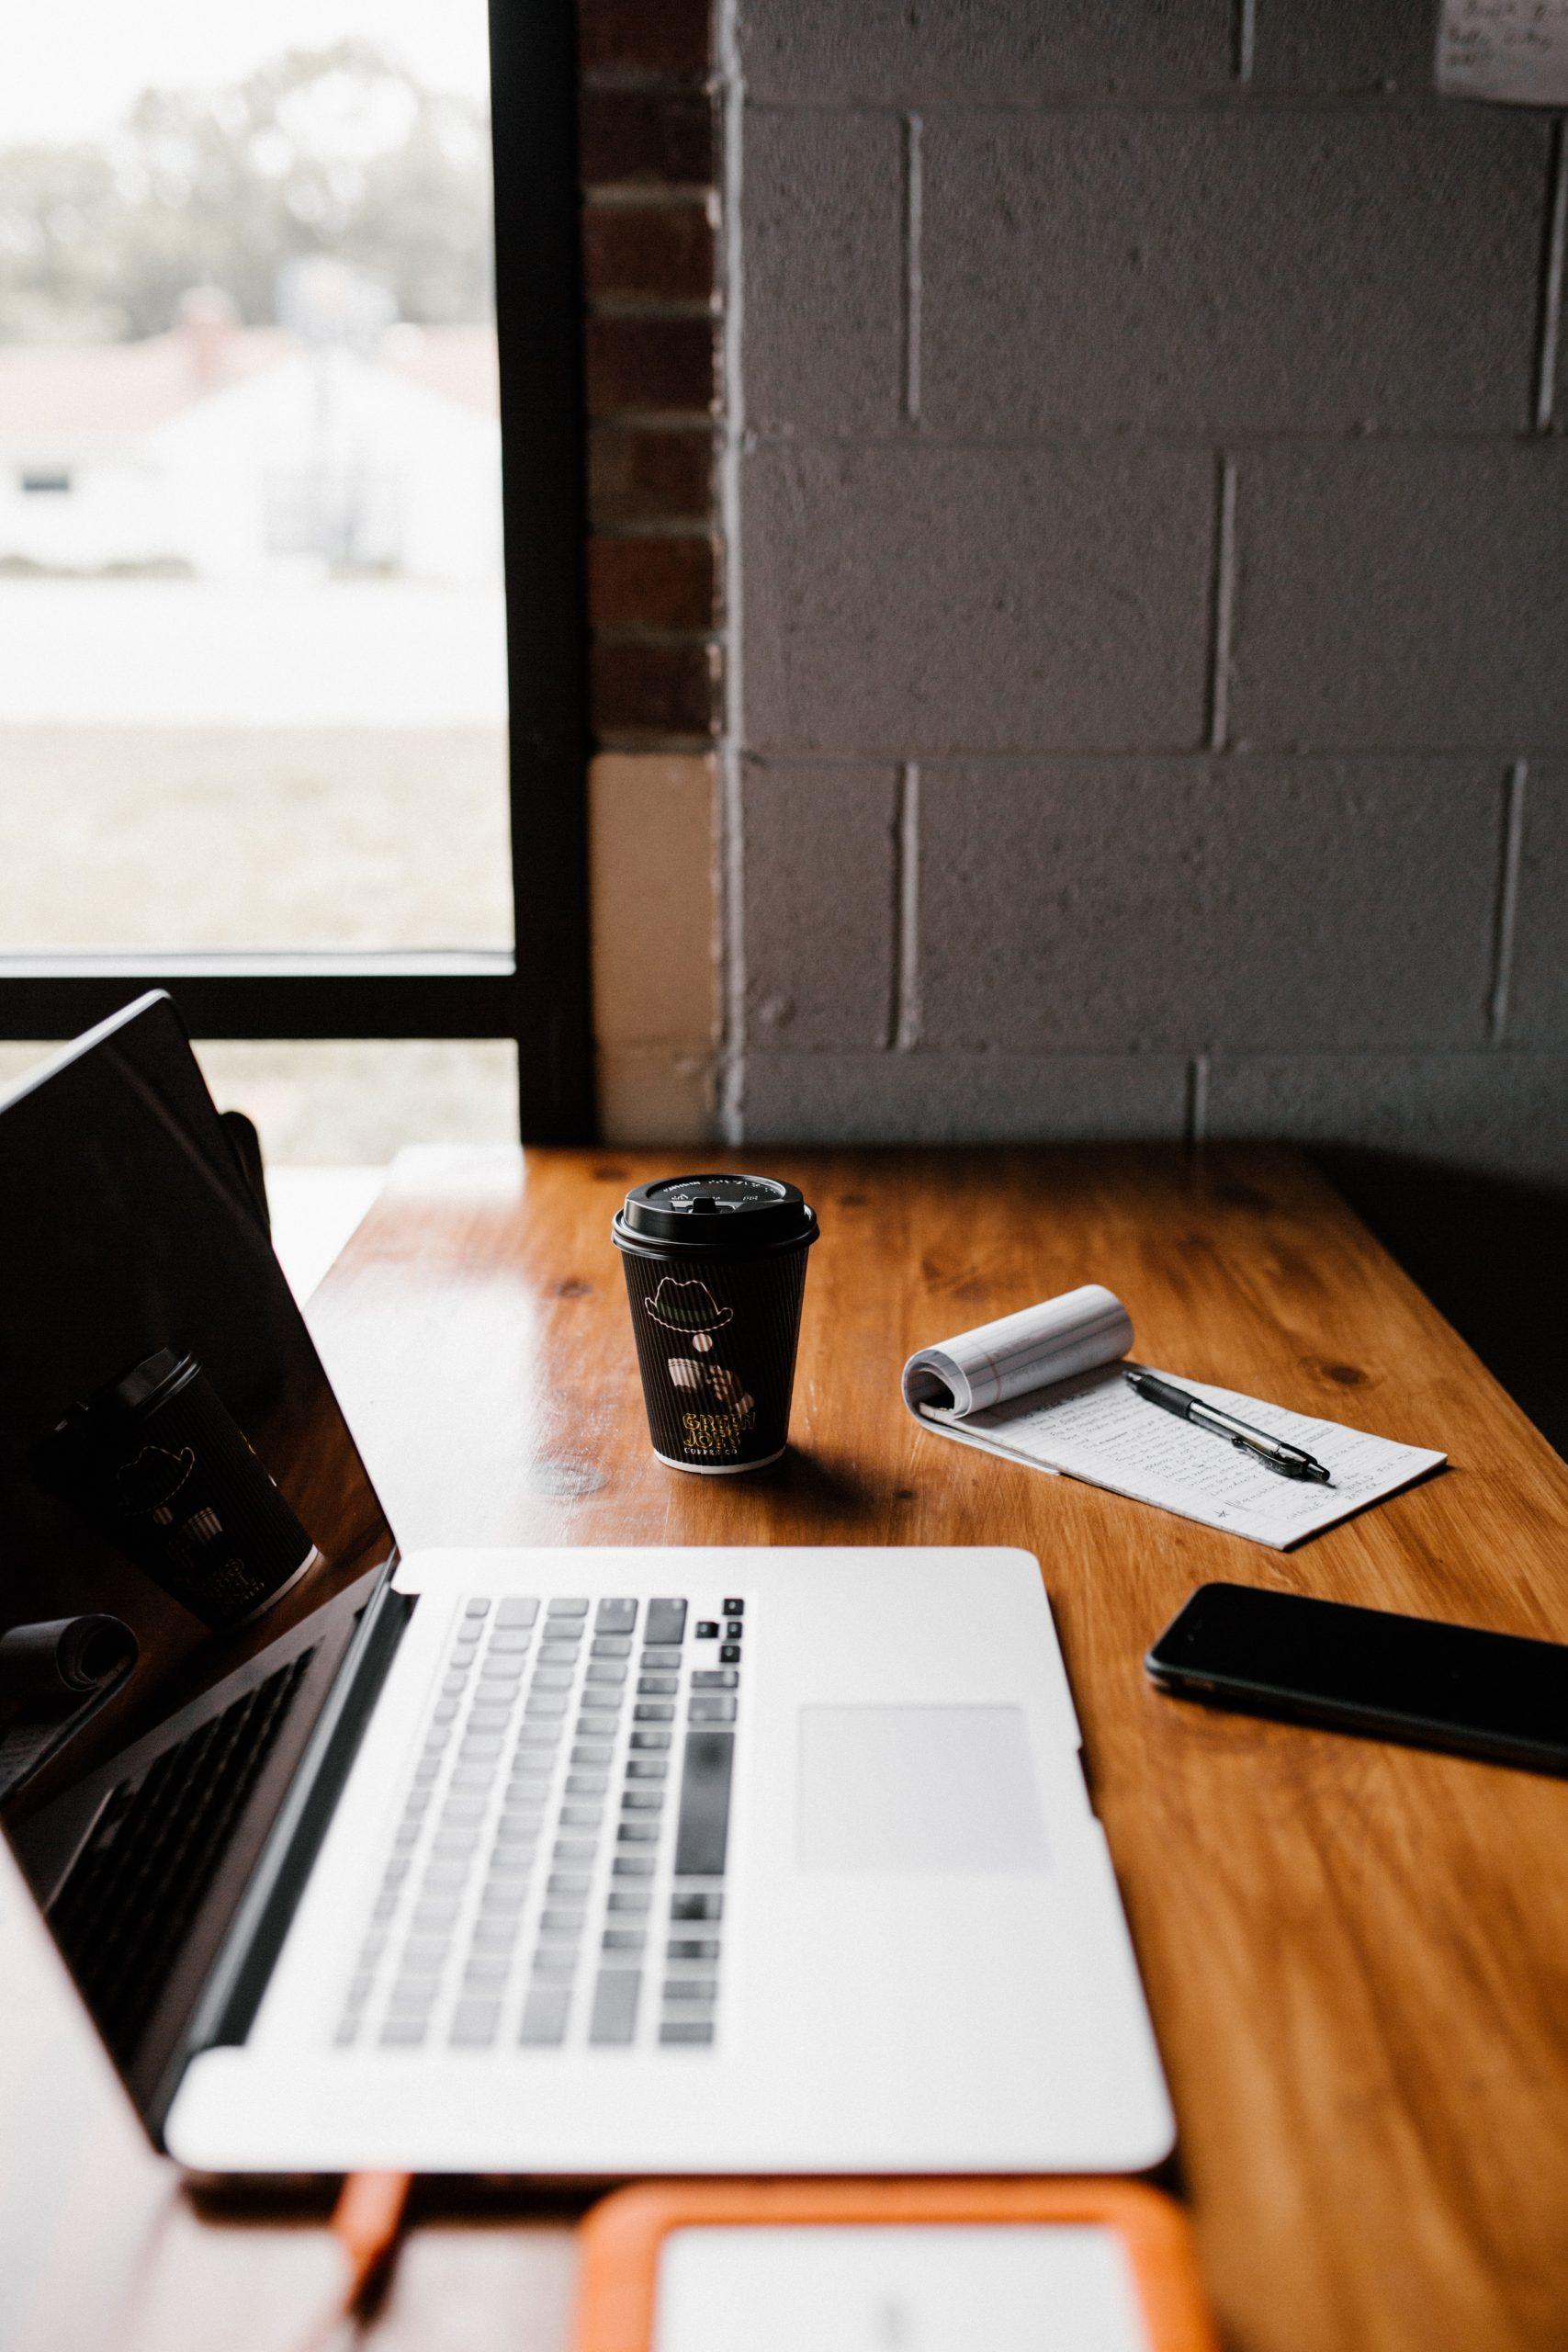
{"x": 1153, "y": 566}
{"x": 651, "y": 155}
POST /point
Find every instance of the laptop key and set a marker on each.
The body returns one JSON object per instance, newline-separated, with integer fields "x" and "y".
{"x": 711, "y": 1707}
{"x": 714, "y": 1678}
{"x": 474, "y": 2023}
{"x": 707, "y": 1630}
{"x": 735, "y": 1609}
{"x": 729, "y": 1653}
{"x": 508, "y": 1644}
{"x": 517, "y": 1613}
{"x": 666, "y": 1621}
{"x": 567, "y": 1609}
{"x": 587, "y": 1784}
{"x": 512, "y": 1862}
{"x": 642, "y": 1801}
{"x": 637, "y": 1832}
{"x": 704, "y": 1828}
{"x": 662, "y": 1660}
{"x": 632, "y": 1866}
{"x": 403, "y": 2033}
{"x": 652, "y": 1710}
{"x": 475, "y": 1608}
{"x": 692, "y": 2030}
{"x": 643, "y": 1768}
{"x": 568, "y": 1882}
{"x": 700, "y": 1989}
{"x": 623, "y": 1939}
{"x": 657, "y": 1686}
{"x": 646, "y": 1741}
{"x": 495, "y": 1935}
{"x": 696, "y": 1907}
{"x": 609, "y": 1646}
{"x": 593, "y": 1752}
{"x": 605, "y": 1672}
{"x": 614, "y": 2021}
{"x": 691, "y": 1947}
{"x": 616, "y": 1616}
{"x": 636, "y": 1899}
{"x": 544, "y": 2017}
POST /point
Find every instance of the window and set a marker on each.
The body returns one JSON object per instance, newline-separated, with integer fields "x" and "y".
{"x": 272, "y": 733}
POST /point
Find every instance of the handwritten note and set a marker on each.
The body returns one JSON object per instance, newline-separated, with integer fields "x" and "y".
{"x": 1515, "y": 49}
{"x": 1095, "y": 1428}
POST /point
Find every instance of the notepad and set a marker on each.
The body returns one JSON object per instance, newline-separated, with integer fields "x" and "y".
{"x": 1014, "y": 2288}
{"x": 1044, "y": 1387}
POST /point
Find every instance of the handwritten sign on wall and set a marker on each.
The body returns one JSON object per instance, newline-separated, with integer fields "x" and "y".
{"x": 1504, "y": 48}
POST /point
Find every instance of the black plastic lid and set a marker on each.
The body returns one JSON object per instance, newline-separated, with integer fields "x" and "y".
{"x": 151, "y": 1381}
{"x": 733, "y": 1214}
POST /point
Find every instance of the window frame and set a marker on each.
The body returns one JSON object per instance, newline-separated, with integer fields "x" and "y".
{"x": 536, "y": 993}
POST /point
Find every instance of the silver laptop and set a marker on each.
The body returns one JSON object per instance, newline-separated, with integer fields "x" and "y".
{"x": 565, "y": 1862}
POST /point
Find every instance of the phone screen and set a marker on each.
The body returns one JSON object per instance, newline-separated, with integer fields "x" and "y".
{"x": 1279, "y": 1652}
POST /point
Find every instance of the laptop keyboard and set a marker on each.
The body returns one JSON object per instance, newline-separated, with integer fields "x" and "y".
{"x": 133, "y": 1892}
{"x": 556, "y": 1874}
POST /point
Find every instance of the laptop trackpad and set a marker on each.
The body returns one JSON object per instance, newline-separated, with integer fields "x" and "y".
{"x": 946, "y": 1789}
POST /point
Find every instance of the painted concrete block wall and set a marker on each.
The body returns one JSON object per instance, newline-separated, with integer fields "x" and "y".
{"x": 1150, "y": 483}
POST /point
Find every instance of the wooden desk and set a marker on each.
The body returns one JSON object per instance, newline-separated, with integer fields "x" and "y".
{"x": 1356, "y": 1956}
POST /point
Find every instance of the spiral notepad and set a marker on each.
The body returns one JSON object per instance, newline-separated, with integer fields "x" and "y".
{"x": 1044, "y": 1387}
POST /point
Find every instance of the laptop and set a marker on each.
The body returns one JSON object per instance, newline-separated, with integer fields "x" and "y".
{"x": 562, "y": 1862}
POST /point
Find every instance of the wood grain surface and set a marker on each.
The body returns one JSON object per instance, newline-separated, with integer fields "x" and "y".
{"x": 1356, "y": 1955}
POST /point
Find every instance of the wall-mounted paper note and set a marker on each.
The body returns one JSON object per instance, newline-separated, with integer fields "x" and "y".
{"x": 1515, "y": 49}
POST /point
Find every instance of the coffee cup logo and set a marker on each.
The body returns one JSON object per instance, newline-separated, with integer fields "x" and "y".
{"x": 150, "y": 1479}
{"x": 688, "y": 1307}
{"x": 723, "y": 1413}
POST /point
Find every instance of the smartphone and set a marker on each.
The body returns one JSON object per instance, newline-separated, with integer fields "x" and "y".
{"x": 1368, "y": 1671}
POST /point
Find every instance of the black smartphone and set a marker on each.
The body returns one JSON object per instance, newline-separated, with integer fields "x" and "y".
{"x": 1370, "y": 1671}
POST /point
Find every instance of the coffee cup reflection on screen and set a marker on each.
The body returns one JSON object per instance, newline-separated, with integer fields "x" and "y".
{"x": 171, "y": 1473}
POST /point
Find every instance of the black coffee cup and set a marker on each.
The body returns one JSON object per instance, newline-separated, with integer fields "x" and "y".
{"x": 716, "y": 1271}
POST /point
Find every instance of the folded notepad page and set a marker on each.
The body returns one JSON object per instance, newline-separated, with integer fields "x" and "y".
{"x": 1044, "y": 1386}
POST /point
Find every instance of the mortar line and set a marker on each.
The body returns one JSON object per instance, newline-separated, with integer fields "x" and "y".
{"x": 913, "y": 201}
{"x": 1508, "y": 864}
{"x": 905, "y": 1023}
{"x": 1223, "y": 606}
{"x": 1198, "y": 1097}
{"x": 731, "y": 912}
{"x": 1245, "y": 46}
{"x": 1550, "y": 284}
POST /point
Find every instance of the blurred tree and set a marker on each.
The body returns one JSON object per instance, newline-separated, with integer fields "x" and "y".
{"x": 337, "y": 151}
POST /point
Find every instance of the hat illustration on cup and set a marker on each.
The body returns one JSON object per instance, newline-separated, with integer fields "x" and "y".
{"x": 687, "y": 1307}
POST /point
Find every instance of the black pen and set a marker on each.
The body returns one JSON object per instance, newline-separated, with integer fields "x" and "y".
{"x": 1289, "y": 1460}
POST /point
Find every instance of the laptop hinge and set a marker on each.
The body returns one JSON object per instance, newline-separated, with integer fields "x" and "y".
{"x": 232, "y": 1994}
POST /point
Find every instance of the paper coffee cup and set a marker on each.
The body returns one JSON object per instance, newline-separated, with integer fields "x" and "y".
{"x": 716, "y": 1272}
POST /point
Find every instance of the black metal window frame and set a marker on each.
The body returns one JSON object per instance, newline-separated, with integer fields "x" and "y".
{"x": 535, "y": 994}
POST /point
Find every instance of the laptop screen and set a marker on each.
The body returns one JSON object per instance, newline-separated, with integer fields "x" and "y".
{"x": 187, "y": 1533}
